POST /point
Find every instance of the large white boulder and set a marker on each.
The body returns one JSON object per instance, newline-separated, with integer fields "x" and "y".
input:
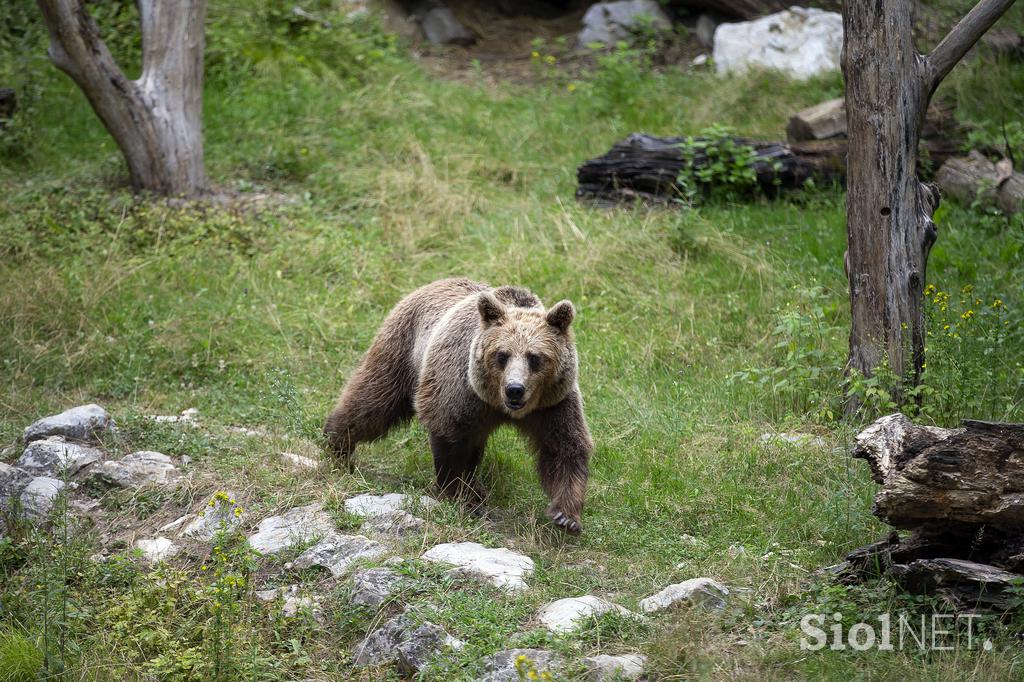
{"x": 799, "y": 41}
{"x": 337, "y": 552}
{"x": 375, "y": 505}
{"x": 294, "y": 527}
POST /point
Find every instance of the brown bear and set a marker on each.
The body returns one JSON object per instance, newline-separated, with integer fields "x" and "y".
{"x": 466, "y": 358}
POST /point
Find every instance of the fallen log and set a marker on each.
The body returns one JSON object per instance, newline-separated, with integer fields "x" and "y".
{"x": 959, "y": 493}
{"x": 976, "y": 178}
{"x": 647, "y": 168}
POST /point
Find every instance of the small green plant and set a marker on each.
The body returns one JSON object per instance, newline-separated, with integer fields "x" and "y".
{"x": 21, "y": 658}
{"x": 715, "y": 162}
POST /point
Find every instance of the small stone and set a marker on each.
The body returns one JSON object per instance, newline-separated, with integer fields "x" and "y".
{"x": 221, "y": 513}
{"x": 143, "y": 468}
{"x": 294, "y": 527}
{"x": 294, "y": 606}
{"x": 566, "y": 615}
{"x": 337, "y": 552}
{"x": 695, "y": 592}
{"x": 38, "y": 496}
{"x": 605, "y": 668}
{"x": 54, "y": 456}
{"x": 84, "y": 423}
{"x": 501, "y": 667}
{"x": 156, "y": 550}
{"x": 374, "y": 505}
{"x": 373, "y": 586}
{"x": 12, "y": 482}
{"x": 175, "y": 524}
{"x": 396, "y": 523}
{"x": 188, "y": 416}
{"x": 298, "y": 462}
{"x": 273, "y": 593}
{"x": 501, "y": 567}
{"x": 401, "y": 640}
{"x": 693, "y": 541}
{"x": 736, "y": 550}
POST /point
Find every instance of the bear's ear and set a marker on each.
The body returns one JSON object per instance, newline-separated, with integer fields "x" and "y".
{"x": 560, "y": 315}
{"x": 491, "y": 310}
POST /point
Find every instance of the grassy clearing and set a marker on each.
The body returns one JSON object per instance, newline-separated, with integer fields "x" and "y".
{"x": 698, "y": 332}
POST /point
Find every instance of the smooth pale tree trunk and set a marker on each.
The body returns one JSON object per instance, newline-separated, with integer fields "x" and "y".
{"x": 888, "y": 210}
{"x": 156, "y": 120}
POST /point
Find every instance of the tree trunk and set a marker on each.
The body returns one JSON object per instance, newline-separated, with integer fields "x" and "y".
{"x": 889, "y": 226}
{"x": 156, "y": 120}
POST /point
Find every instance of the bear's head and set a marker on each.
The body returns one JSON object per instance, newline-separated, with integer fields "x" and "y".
{"x": 523, "y": 358}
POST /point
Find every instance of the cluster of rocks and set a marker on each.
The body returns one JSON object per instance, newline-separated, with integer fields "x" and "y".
{"x": 65, "y": 451}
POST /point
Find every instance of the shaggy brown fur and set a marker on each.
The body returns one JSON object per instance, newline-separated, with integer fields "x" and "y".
{"x": 466, "y": 359}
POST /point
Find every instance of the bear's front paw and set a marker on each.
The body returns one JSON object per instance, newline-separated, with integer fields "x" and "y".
{"x": 568, "y": 524}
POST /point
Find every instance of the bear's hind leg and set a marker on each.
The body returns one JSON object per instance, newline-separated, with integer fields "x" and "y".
{"x": 376, "y": 398}
{"x": 455, "y": 464}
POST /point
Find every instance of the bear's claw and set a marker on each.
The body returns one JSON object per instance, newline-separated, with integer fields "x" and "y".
{"x": 570, "y": 525}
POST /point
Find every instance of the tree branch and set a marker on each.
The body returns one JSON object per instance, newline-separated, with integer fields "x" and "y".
{"x": 961, "y": 38}
{"x": 76, "y": 47}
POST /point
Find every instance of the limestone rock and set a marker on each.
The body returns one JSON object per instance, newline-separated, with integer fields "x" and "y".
{"x": 609, "y": 22}
{"x": 295, "y": 605}
{"x": 394, "y": 523}
{"x": 501, "y": 667}
{"x": 374, "y": 505}
{"x": 12, "y": 482}
{"x": 143, "y": 468}
{"x": 299, "y": 462}
{"x": 157, "y": 549}
{"x": 799, "y": 41}
{"x": 84, "y": 423}
{"x": 337, "y": 552}
{"x": 501, "y": 567}
{"x": 220, "y": 513}
{"x": 566, "y": 615}
{"x": 189, "y": 416}
{"x": 696, "y": 591}
{"x": 296, "y": 526}
{"x": 373, "y": 586}
{"x": 38, "y": 496}
{"x": 605, "y": 668}
{"x": 409, "y": 645}
{"x": 52, "y": 455}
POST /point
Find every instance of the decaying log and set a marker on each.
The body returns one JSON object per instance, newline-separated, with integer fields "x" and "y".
{"x": 976, "y": 178}
{"x": 960, "y": 493}
{"x": 646, "y": 168}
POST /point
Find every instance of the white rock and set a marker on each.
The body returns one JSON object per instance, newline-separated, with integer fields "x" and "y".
{"x": 500, "y": 567}
{"x": 609, "y": 22}
{"x": 566, "y": 615}
{"x": 296, "y": 526}
{"x": 54, "y": 456}
{"x": 501, "y": 667}
{"x": 800, "y": 41}
{"x": 337, "y": 552}
{"x": 141, "y": 468}
{"x": 12, "y": 482}
{"x": 393, "y": 524}
{"x": 157, "y": 549}
{"x": 295, "y": 605}
{"x": 273, "y": 593}
{"x": 298, "y": 462}
{"x": 409, "y": 645}
{"x": 188, "y": 416}
{"x": 374, "y": 505}
{"x": 221, "y": 512}
{"x": 605, "y": 668}
{"x": 38, "y": 496}
{"x": 83, "y": 423}
{"x": 696, "y": 591}
{"x": 373, "y": 586}
{"x": 175, "y": 524}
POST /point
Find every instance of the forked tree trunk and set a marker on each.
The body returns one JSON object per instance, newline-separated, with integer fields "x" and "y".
{"x": 888, "y": 210}
{"x": 156, "y": 120}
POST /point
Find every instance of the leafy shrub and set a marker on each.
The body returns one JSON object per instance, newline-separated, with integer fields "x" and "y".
{"x": 727, "y": 166}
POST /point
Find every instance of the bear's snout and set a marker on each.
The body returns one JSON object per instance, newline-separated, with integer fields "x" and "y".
{"x": 514, "y": 392}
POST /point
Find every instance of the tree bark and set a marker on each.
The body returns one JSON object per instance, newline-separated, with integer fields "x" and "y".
{"x": 889, "y": 225}
{"x": 156, "y": 120}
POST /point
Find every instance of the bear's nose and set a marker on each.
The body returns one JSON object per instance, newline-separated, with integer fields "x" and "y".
{"x": 515, "y": 392}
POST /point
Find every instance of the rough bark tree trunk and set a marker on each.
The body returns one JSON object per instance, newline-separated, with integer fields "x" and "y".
{"x": 156, "y": 120}
{"x": 889, "y": 225}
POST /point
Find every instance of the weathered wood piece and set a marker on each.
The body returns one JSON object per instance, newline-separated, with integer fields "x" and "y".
{"x": 820, "y": 122}
{"x": 976, "y": 178}
{"x": 961, "y": 494}
{"x": 647, "y": 168}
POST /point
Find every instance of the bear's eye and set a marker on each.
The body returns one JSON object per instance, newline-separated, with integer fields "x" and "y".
{"x": 534, "y": 360}
{"x": 501, "y": 359}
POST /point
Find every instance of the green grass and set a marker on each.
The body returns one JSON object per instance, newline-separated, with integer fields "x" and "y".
{"x": 698, "y": 331}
